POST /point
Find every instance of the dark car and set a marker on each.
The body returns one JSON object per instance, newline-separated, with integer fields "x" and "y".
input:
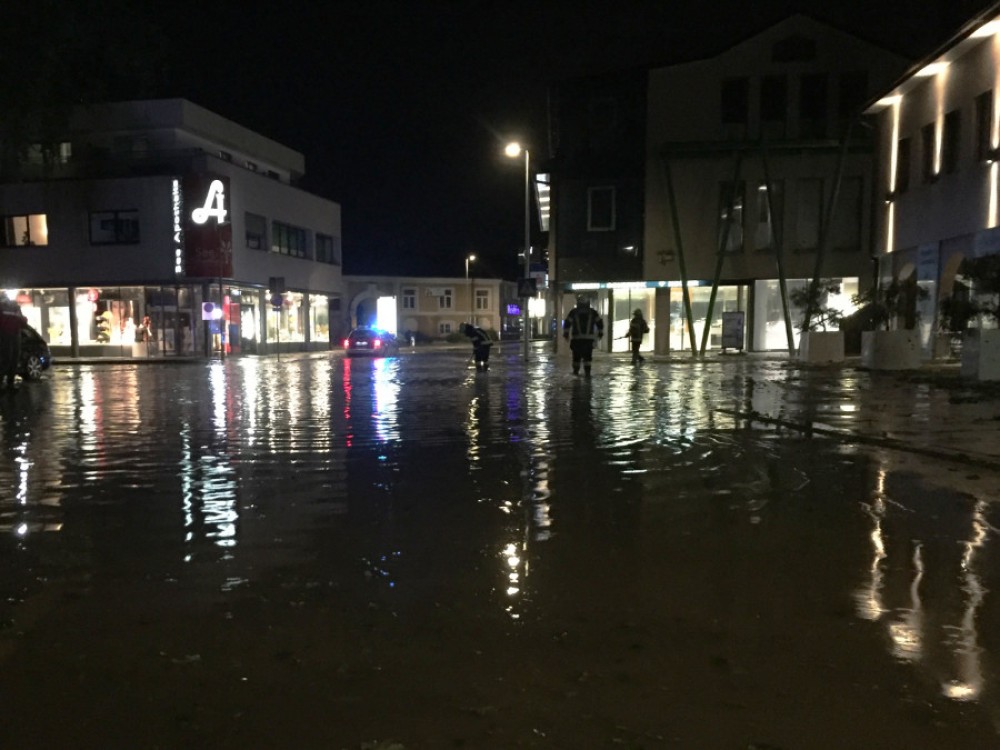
{"x": 371, "y": 342}
{"x": 35, "y": 355}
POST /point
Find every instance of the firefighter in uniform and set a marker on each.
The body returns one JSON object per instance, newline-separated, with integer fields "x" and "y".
{"x": 583, "y": 328}
{"x": 481, "y": 344}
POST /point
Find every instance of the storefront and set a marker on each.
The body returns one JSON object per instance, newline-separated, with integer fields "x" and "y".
{"x": 180, "y": 320}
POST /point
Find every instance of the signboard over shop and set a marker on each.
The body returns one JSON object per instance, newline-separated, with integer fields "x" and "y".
{"x": 207, "y": 230}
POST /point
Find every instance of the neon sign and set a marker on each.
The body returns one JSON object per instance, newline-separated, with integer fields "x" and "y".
{"x": 175, "y": 194}
{"x": 214, "y": 205}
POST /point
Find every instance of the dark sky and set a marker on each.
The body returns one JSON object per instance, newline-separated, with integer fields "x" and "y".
{"x": 401, "y": 109}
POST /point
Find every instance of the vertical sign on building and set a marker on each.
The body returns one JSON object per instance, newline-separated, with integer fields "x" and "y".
{"x": 178, "y": 227}
{"x": 208, "y": 231}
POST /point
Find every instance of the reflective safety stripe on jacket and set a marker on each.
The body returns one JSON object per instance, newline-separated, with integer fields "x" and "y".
{"x": 584, "y": 323}
{"x": 480, "y": 337}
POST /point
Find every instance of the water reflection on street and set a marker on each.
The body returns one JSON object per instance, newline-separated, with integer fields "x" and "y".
{"x": 775, "y": 555}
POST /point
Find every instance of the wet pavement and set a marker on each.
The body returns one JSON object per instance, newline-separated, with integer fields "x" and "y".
{"x": 315, "y": 552}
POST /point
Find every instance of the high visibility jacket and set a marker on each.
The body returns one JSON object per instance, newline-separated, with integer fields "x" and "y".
{"x": 584, "y": 323}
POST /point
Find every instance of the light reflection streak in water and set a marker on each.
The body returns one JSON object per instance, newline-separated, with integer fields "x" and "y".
{"x": 969, "y": 683}
{"x": 208, "y": 482}
{"x": 869, "y": 599}
{"x": 386, "y": 387}
{"x": 251, "y": 396}
{"x": 908, "y": 628}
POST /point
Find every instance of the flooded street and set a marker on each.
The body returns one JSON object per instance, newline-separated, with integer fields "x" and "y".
{"x": 317, "y": 552}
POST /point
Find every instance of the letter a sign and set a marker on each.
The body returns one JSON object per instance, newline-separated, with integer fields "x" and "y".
{"x": 215, "y": 205}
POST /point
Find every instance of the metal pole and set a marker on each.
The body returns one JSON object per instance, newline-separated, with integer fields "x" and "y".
{"x": 723, "y": 241}
{"x": 527, "y": 244}
{"x": 675, "y": 218}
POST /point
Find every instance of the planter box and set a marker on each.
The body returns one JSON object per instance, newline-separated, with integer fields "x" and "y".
{"x": 890, "y": 350}
{"x": 981, "y": 354}
{"x": 821, "y": 347}
{"x": 941, "y": 346}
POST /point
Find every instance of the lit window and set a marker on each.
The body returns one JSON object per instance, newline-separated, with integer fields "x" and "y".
{"x": 22, "y": 231}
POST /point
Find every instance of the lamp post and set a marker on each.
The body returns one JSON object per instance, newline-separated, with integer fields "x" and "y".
{"x": 513, "y": 150}
{"x": 469, "y": 259}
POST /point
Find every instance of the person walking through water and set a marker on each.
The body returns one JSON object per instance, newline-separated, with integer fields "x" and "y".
{"x": 583, "y": 328}
{"x": 481, "y": 343}
{"x": 637, "y": 329}
{"x": 11, "y": 323}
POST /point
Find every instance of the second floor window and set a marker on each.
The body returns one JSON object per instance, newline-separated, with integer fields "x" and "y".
{"x": 950, "y": 140}
{"x": 735, "y": 101}
{"x": 288, "y": 240}
{"x": 256, "y": 230}
{"x": 114, "y": 227}
{"x": 731, "y": 201}
{"x": 928, "y": 145}
{"x": 445, "y": 300}
{"x": 22, "y": 231}
{"x": 482, "y": 299}
{"x": 409, "y": 298}
{"x": 903, "y": 165}
{"x": 600, "y": 209}
{"x": 328, "y": 249}
{"x": 984, "y": 125}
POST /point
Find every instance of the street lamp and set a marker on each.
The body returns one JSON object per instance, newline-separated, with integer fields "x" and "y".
{"x": 513, "y": 150}
{"x": 469, "y": 259}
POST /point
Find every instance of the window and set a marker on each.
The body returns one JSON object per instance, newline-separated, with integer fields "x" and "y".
{"x": 845, "y": 231}
{"x": 950, "y": 140}
{"x": 903, "y": 165}
{"x": 927, "y": 141}
{"x": 328, "y": 249}
{"x": 731, "y": 201}
{"x": 808, "y": 214}
{"x": 288, "y": 240}
{"x": 984, "y": 126}
{"x": 444, "y": 328}
{"x": 813, "y": 106}
{"x": 114, "y": 227}
{"x": 602, "y": 118}
{"x": 600, "y": 209}
{"x": 409, "y": 298}
{"x": 765, "y": 233}
{"x": 225, "y": 156}
{"x": 256, "y": 229}
{"x": 735, "y": 101}
{"x": 21, "y": 231}
{"x": 252, "y": 166}
{"x": 482, "y": 299}
{"x": 773, "y": 98}
{"x": 852, "y": 93}
{"x": 445, "y": 299}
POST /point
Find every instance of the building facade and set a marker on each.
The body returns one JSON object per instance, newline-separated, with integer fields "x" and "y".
{"x": 433, "y": 307}
{"x": 938, "y": 174}
{"x": 742, "y": 154}
{"x": 158, "y": 228}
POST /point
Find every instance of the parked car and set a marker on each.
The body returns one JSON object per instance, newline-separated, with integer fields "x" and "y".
{"x": 371, "y": 342}
{"x": 35, "y": 355}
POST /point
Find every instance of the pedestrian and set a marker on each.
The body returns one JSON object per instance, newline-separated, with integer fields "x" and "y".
{"x": 11, "y": 323}
{"x": 637, "y": 329}
{"x": 583, "y": 328}
{"x": 481, "y": 343}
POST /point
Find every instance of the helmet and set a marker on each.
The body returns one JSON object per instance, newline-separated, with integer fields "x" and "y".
{"x": 637, "y": 311}
{"x": 582, "y": 300}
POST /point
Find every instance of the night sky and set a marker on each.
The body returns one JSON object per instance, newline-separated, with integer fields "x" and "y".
{"x": 402, "y": 109}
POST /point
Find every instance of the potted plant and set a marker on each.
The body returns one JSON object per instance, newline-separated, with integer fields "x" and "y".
{"x": 889, "y": 315}
{"x": 817, "y": 343}
{"x": 981, "y": 344}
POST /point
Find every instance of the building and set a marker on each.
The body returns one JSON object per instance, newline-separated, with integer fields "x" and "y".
{"x": 163, "y": 210}
{"x": 741, "y": 154}
{"x": 938, "y": 175}
{"x": 433, "y": 308}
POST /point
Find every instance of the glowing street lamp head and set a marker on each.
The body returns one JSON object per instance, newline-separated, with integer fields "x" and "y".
{"x": 471, "y": 258}
{"x": 513, "y": 150}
